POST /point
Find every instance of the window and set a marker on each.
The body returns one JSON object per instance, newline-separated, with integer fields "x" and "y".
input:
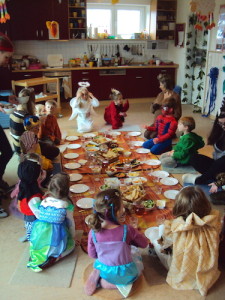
{"x": 116, "y": 19}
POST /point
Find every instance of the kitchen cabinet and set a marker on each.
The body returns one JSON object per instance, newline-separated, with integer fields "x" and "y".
{"x": 163, "y": 19}
{"x": 91, "y": 76}
{"x": 77, "y": 19}
{"x": 28, "y": 18}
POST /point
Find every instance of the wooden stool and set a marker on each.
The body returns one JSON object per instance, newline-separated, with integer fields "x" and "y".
{"x": 113, "y": 294}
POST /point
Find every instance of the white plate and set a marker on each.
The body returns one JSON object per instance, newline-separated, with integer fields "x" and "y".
{"x": 75, "y": 177}
{"x": 86, "y": 219}
{"x": 142, "y": 150}
{"x": 72, "y": 138}
{"x": 171, "y": 194}
{"x": 73, "y": 146}
{"x": 72, "y": 166}
{"x": 82, "y": 161}
{"x": 137, "y": 143}
{"x": 85, "y": 203}
{"x": 116, "y": 133}
{"x": 169, "y": 181}
{"x": 134, "y": 133}
{"x": 71, "y": 155}
{"x": 89, "y": 135}
{"x": 159, "y": 174}
{"x": 79, "y": 188}
{"x": 153, "y": 162}
{"x": 152, "y": 232}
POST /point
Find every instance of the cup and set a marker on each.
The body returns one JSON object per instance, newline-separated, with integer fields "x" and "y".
{"x": 83, "y": 35}
{"x": 157, "y": 62}
{"x": 133, "y": 221}
{"x": 91, "y": 64}
{"x": 158, "y": 190}
{"x": 139, "y": 209}
{"x": 160, "y": 219}
{"x": 75, "y": 14}
{"x": 71, "y": 25}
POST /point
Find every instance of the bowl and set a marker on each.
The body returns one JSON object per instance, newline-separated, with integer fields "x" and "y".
{"x": 9, "y": 109}
{"x": 23, "y": 100}
{"x": 148, "y": 204}
{"x": 127, "y": 153}
{"x": 161, "y": 204}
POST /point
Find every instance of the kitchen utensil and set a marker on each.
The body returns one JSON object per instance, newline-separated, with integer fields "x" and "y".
{"x": 118, "y": 51}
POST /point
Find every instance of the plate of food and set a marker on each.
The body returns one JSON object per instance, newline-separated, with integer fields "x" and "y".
{"x": 75, "y": 177}
{"x": 99, "y": 140}
{"x": 72, "y": 138}
{"x": 142, "y": 150}
{"x": 89, "y": 135}
{"x": 139, "y": 180}
{"x": 72, "y": 166}
{"x": 85, "y": 203}
{"x": 137, "y": 143}
{"x": 134, "y": 133}
{"x": 171, "y": 194}
{"x": 153, "y": 162}
{"x": 132, "y": 193}
{"x": 148, "y": 204}
{"x": 133, "y": 163}
{"x": 110, "y": 154}
{"x": 120, "y": 175}
{"x": 115, "y": 133}
{"x": 73, "y": 146}
{"x": 133, "y": 174}
{"x": 79, "y": 188}
{"x": 8, "y": 108}
{"x": 169, "y": 181}
{"x": 92, "y": 149}
{"x": 71, "y": 155}
{"x": 159, "y": 174}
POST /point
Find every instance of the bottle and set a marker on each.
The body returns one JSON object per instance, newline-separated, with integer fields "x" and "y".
{"x": 85, "y": 58}
{"x": 90, "y": 31}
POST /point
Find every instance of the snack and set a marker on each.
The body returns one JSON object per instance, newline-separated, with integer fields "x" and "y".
{"x": 148, "y": 204}
{"x": 105, "y": 187}
{"x": 110, "y": 154}
{"x": 132, "y": 192}
{"x": 99, "y": 139}
{"x": 120, "y": 175}
{"x": 139, "y": 180}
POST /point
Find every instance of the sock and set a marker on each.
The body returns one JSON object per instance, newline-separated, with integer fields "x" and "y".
{"x": 107, "y": 285}
{"x": 92, "y": 282}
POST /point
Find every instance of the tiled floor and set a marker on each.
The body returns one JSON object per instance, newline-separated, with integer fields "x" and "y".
{"x": 155, "y": 285}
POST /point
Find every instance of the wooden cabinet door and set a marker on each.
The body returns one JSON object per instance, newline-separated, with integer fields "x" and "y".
{"x": 138, "y": 81}
{"x": 60, "y": 14}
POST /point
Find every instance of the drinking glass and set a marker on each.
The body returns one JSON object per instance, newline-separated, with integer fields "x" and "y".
{"x": 139, "y": 209}
{"x": 133, "y": 221}
{"x": 96, "y": 171}
{"x": 160, "y": 219}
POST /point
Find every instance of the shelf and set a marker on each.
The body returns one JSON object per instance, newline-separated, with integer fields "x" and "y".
{"x": 77, "y": 18}
{"x": 80, "y": 7}
{"x": 78, "y": 28}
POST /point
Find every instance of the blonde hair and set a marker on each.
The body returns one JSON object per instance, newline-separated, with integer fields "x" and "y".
{"x": 39, "y": 109}
{"x": 189, "y": 122}
{"x": 51, "y": 102}
{"x": 105, "y": 207}
{"x": 191, "y": 199}
{"x": 30, "y": 105}
{"x": 115, "y": 95}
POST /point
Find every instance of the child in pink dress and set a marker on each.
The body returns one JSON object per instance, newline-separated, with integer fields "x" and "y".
{"x": 110, "y": 243}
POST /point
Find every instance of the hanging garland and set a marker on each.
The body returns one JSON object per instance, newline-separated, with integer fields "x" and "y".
{"x": 204, "y": 11}
{"x": 4, "y": 13}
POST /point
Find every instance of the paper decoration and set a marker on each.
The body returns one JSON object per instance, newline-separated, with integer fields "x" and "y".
{"x": 204, "y": 10}
{"x": 53, "y": 29}
{"x": 4, "y": 13}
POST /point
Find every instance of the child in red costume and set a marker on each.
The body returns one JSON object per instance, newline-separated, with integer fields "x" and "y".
{"x": 165, "y": 125}
{"x": 115, "y": 113}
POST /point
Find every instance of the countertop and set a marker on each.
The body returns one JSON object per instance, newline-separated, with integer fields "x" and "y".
{"x": 66, "y": 68}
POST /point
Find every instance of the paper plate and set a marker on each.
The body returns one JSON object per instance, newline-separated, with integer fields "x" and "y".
{"x": 169, "y": 181}
{"x": 171, "y": 194}
{"x": 152, "y": 233}
{"x": 142, "y": 150}
{"x": 86, "y": 219}
{"x": 134, "y": 133}
{"x": 153, "y": 162}
{"x": 71, "y": 155}
{"x": 75, "y": 177}
{"x": 160, "y": 174}
{"x": 89, "y": 135}
{"x": 79, "y": 188}
{"x": 116, "y": 133}
{"x": 85, "y": 203}
{"x": 137, "y": 143}
{"x": 72, "y": 166}
{"x": 72, "y": 138}
{"x": 73, "y": 146}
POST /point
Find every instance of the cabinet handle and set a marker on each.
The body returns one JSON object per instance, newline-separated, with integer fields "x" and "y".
{"x": 138, "y": 77}
{"x": 37, "y": 33}
{"x": 42, "y": 33}
{"x": 27, "y": 75}
{"x": 85, "y": 79}
{"x": 164, "y": 71}
{"x": 85, "y": 73}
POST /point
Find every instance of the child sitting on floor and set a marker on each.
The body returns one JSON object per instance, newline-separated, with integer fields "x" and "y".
{"x": 115, "y": 113}
{"x": 165, "y": 125}
{"x": 82, "y": 106}
{"x": 110, "y": 243}
{"x": 39, "y": 110}
{"x": 49, "y": 130}
{"x": 188, "y": 144}
{"x": 52, "y": 236}
{"x": 194, "y": 235}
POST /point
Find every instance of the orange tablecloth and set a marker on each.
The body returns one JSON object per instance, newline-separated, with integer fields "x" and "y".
{"x": 145, "y": 221}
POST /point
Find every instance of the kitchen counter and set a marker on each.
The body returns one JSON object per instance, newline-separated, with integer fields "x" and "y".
{"x": 135, "y": 66}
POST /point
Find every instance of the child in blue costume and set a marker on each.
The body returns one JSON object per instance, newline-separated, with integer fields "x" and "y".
{"x": 52, "y": 236}
{"x": 111, "y": 244}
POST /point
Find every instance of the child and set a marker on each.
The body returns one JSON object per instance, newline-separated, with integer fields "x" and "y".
{"x": 195, "y": 238}
{"x": 49, "y": 129}
{"x": 115, "y": 113}
{"x": 110, "y": 243}
{"x": 82, "y": 108}
{"x": 165, "y": 125}
{"x": 188, "y": 145}
{"x": 39, "y": 110}
{"x": 28, "y": 171}
{"x": 17, "y": 117}
{"x": 52, "y": 236}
